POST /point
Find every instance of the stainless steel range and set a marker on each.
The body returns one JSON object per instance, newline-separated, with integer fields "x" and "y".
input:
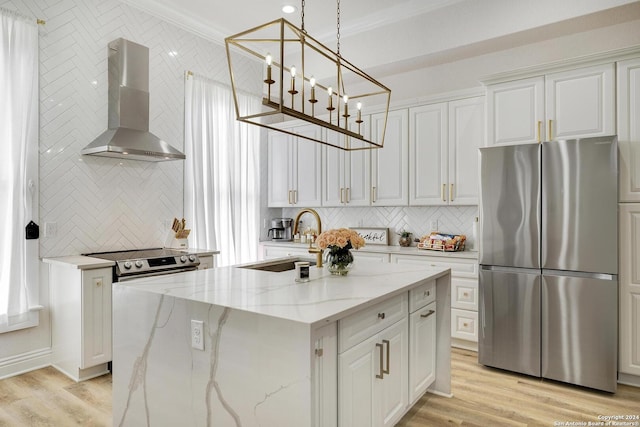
{"x": 139, "y": 263}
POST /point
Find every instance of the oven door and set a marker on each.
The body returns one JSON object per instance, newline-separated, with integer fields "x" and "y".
{"x": 155, "y": 273}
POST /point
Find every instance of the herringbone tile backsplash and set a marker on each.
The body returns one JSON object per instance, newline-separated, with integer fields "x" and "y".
{"x": 97, "y": 203}
{"x": 417, "y": 220}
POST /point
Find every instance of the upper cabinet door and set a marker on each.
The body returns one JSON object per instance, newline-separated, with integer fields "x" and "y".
{"x": 466, "y": 136}
{"x": 279, "y": 161}
{"x": 307, "y": 168}
{"x": 629, "y": 129}
{"x": 389, "y": 180}
{"x": 428, "y": 154}
{"x": 580, "y": 103}
{"x": 515, "y": 112}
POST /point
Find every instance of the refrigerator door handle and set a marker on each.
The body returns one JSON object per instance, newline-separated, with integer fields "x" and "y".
{"x": 509, "y": 269}
{"x": 564, "y": 273}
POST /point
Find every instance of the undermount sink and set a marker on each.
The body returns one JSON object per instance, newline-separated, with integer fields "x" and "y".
{"x": 277, "y": 266}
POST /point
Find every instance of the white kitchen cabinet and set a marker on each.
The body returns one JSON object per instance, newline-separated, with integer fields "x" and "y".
{"x": 371, "y": 256}
{"x": 80, "y": 320}
{"x": 515, "y": 111}
{"x": 443, "y": 143}
{"x": 464, "y": 294}
{"x": 628, "y": 97}
{"x": 269, "y": 252}
{"x": 294, "y": 169}
{"x": 346, "y": 177}
{"x": 325, "y": 376}
{"x": 562, "y": 105}
{"x": 373, "y": 376}
{"x": 629, "y": 285}
{"x": 389, "y": 177}
{"x": 422, "y": 333}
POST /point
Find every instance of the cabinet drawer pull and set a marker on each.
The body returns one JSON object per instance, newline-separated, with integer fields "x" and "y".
{"x": 466, "y": 294}
{"x": 381, "y": 315}
{"x": 428, "y": 314}
{"x": 427, "y": 293}
{"x": 387, "y": 371}
{"x": 465, "y": 324}
{"x": 381, "y": 374}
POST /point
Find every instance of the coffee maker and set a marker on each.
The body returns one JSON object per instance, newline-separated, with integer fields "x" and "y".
{"x": 281, "y": 230}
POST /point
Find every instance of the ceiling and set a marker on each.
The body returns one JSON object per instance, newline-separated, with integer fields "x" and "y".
{"x": 391, "y": 36}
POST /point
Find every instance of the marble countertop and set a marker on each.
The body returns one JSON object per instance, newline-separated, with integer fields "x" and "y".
{"x": 388, "y": 249}
{"x": 325, "y": 298}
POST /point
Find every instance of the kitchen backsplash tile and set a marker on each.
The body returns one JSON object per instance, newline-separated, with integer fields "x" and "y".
{"x": 417, "y": 220}
{"x": 100, "y": 203}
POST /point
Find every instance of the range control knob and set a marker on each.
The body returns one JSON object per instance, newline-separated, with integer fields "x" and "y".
{"x": 127, "y": 265}
{"x": 139, "y": 264}
{"x": 183, "y": 258}
{"x": 192, "y": 258}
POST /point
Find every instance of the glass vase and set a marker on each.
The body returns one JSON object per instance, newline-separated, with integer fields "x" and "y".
{"x": 339, "y": 261}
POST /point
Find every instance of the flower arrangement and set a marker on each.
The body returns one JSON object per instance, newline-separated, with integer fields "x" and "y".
{"x": 338, "y": 243}
{"x": 341, "y": 238}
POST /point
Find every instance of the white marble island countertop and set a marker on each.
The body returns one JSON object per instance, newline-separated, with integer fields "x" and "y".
{"x": 325, "y": 298}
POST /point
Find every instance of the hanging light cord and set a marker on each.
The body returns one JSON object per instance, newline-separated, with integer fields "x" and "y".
{"x": 302, "y": 18}
{"x": 338, "y": 30}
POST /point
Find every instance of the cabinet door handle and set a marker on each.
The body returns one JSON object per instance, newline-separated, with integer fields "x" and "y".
{"x": 428, "y": 314}
{"x": 451, "y": 193}
{"x": 387, "y": 371}
{"x": 381, "y": 315}
{"x": 442, "y": 192}
{"x": 341, "y": 195}
{"x": 549, "y": 135}
{"x": 295, "y": 197}
{"x": 381, "y": 374}
{"x": 289, "y": 197}
{"x": 374, "y": 194}
{"x": 539, "y": 129}
{"x": 348, "y": 194}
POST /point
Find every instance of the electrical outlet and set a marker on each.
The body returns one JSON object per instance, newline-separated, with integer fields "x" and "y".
{"x": 50, "y": 229}
{"x": 197, "y": 334}
{"x": 433, "y": 225}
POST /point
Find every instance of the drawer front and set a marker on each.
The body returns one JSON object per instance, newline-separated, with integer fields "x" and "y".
{"x": 269, "y": 252}
{"x": 422, "y": 295}
{"x": 459, "y": 267}
{"x": 464, "y": 294}
{"x": 359, "y": 326}
{"x": 464, "y": 324}
{"x": 371, "y": 256}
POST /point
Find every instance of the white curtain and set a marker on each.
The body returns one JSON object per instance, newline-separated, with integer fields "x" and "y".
{"x": 222, "y": 183}
{"x": 18, "y": 163}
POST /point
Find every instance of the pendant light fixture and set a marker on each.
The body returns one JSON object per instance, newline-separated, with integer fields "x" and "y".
{"x": 307, "y": 83}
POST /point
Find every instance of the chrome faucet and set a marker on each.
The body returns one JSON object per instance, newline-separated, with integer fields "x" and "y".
{"x": 312, "y": 250}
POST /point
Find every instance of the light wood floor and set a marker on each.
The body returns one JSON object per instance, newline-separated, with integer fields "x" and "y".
{"x": 483, "y": 397}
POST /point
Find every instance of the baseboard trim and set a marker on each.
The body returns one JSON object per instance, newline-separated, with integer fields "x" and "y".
{"x": 25, "y": 362}
{"x": 628, "y": 379}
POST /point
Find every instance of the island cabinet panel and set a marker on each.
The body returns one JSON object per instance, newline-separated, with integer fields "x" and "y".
{"x": 422, "y": 351}
{"x": 373, "y": 377}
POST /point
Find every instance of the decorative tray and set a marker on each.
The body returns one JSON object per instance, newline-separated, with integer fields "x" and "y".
{"x": 443, "y": 242}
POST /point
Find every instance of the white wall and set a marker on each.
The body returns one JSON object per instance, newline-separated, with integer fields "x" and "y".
{"x": 98, "y": 203}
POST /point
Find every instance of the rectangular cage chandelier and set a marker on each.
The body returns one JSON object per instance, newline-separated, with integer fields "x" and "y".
{"x": 304, "y": 80}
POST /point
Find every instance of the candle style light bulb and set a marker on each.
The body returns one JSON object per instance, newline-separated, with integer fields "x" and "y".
{"x": 312, "y": 81}
{"x": 268, "y": 59}
{"x": 293, "y": 90}
{"x": 312, "y": 99}
{"x": 359, "y": 106}
{"x": 345, "y": 98}
{"x": 330, "y": 90}
{"x": 293, "y": 72}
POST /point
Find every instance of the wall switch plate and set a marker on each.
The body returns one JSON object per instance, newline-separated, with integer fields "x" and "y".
{"x": 197, "y": 334}
{"x": 433, "y": 225}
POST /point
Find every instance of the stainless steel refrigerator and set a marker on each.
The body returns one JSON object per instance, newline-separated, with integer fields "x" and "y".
{"x": 549, "y": 260}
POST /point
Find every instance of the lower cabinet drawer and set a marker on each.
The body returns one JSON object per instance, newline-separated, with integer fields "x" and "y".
{"x": 464, "y": 293}
{"x": 464, "y": 324}
{"x": 365, "y": 323}
{"x": 422, "y": 295}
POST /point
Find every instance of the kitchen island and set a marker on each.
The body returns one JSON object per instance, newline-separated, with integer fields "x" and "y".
{"x": 275, "y": 352}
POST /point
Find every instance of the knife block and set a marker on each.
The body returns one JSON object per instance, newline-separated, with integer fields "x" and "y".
{"x": 172, "y": 242}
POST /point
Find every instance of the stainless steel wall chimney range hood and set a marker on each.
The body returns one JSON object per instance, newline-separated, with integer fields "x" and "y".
{"x": 128, "y": 136}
